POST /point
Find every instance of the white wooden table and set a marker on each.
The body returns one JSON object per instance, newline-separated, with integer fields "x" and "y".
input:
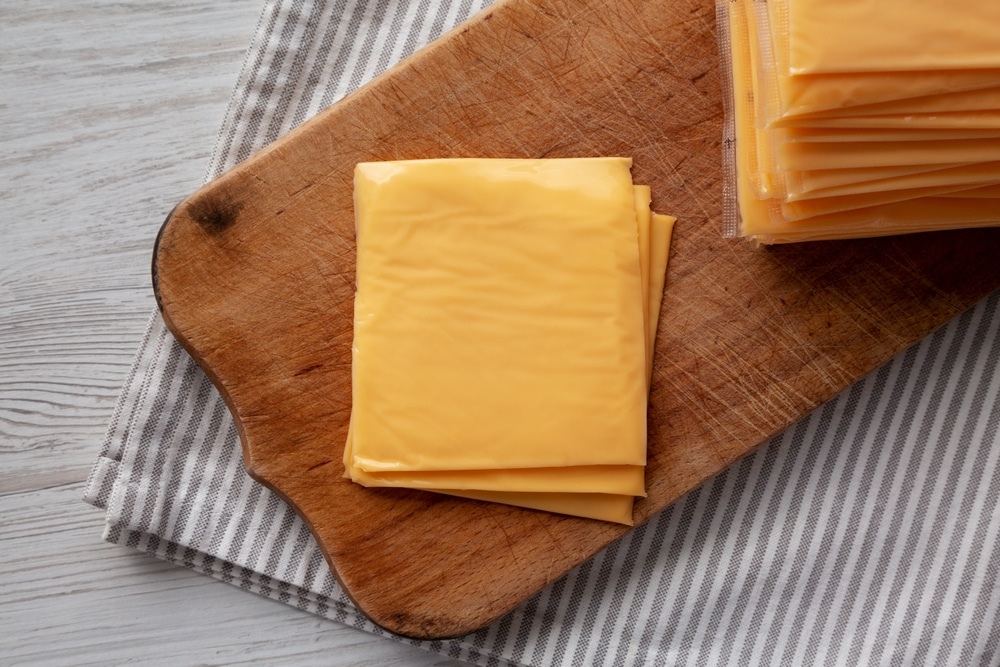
{"x": 108, "y": 113}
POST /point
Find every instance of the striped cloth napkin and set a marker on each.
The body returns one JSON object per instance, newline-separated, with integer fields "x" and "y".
{"x": 865, "y": 534}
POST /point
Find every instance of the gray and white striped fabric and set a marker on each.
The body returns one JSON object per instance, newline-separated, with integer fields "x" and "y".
{"x": 866, "y": 534}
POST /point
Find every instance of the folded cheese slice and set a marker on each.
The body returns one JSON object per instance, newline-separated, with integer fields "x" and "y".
{"x": 601, "y": 506}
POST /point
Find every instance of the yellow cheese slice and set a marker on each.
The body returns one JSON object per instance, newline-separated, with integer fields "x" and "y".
{"x": 661, "y": 232}
{"x": 801, "y": 95}
{"x": 536, "y": 262}
{"x": 984, "y": 119}
{"x": 602, "y": 506}
{"x": 627, "y": 480}
{"x": 963, "y": 101}
{"x": 880, "y": 134}
{"x": 986, "y": 192}
{"x": 784, "y": 94}
{"x": 773, "y": 183}
{"x": 844, "y": 155}
{"x": 966, "y": 175}
{"x": 802, "y": 182}
{"x": 808, "y": 208}
{"x": 776, "y": 183}
{"x": 890, "y": 35}
{"x": 624, "y": 480}
{"x": 605, "y": 479}
{"x": 642, "y": 198}
{"x": 914, "y": 215}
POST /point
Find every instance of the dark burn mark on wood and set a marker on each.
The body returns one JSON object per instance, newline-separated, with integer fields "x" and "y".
{"x": 698, "y": 77}
{"x": 213, "y": 215}
{"x": 308, "y": 369}
{"x": 318, "y": 465}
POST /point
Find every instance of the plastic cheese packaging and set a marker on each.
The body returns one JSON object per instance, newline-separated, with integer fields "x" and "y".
{"x": 502, "y": 324}
{"x": 830, "y": 137}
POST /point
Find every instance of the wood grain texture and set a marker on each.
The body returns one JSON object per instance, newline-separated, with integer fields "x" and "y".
{"x": 255, "y": 275}
{"x": 109, "y": 114}
{"x": 109, "y": 111}
{"x": 70, "y": 599}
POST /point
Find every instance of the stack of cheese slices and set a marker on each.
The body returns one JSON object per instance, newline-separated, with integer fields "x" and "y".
{"x": 862, "y": 118}
{"x": 503, "y": 327}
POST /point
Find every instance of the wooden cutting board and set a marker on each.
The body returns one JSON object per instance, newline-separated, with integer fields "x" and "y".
{"x": 254, "y": 274}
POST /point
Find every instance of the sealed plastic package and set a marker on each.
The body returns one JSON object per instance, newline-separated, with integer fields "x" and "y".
{"x": 829, "y": 138}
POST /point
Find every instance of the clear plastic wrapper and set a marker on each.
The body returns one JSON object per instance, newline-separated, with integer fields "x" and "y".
{"x": 841, "y": 174}
{"x": 731, "y": 217}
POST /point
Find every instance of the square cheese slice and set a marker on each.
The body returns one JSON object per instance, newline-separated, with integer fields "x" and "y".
{"x": 654, "y": 244}
{"x": 498, "y": 317}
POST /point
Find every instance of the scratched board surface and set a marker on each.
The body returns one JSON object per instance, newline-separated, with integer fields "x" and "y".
{"x": 254, "y": 274}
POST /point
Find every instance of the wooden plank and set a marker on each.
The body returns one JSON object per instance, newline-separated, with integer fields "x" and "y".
{"x": 68, "y": 598}
{"x": 110, "y": 112}
{"x": 255, "y": 276}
